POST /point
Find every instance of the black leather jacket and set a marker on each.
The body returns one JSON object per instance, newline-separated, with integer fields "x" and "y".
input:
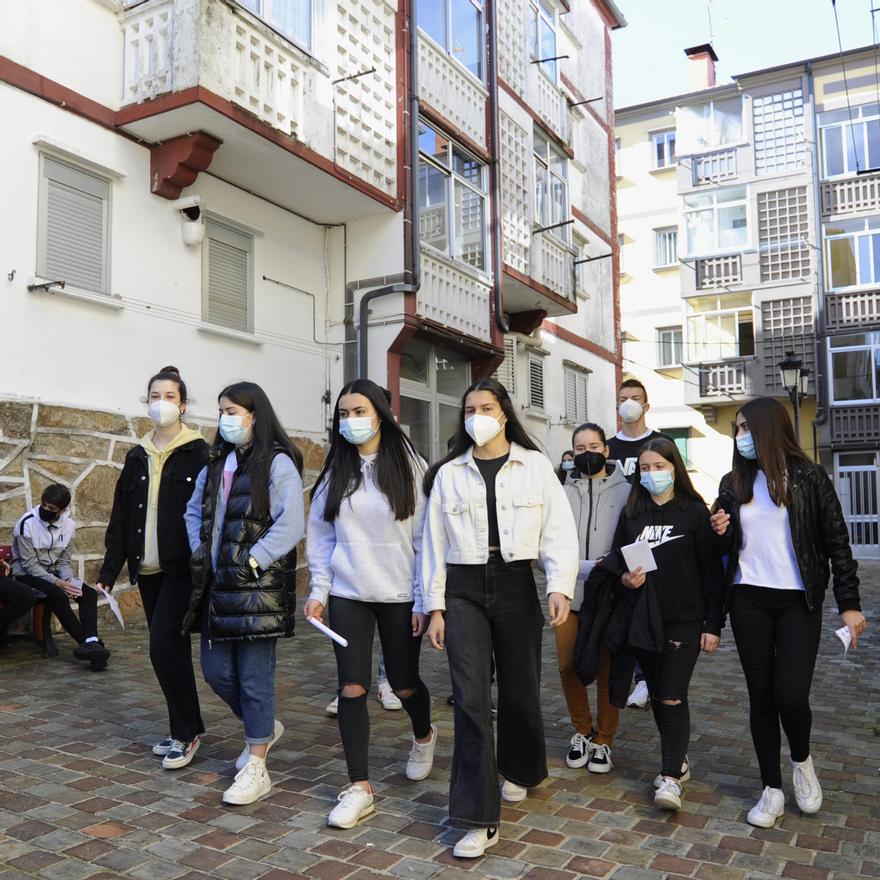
{"x": 242, "y": 604}
{"x": 124, "y": 540}
{"x": 818, "y": 532}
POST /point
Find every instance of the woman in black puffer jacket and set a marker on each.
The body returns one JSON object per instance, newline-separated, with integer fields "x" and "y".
{"x": 779, "y": 520}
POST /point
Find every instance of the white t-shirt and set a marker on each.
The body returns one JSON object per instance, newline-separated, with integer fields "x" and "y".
{"x": 766, "y": 557}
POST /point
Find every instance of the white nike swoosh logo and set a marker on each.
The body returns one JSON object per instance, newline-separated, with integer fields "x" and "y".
{"x": 665, "y": 540}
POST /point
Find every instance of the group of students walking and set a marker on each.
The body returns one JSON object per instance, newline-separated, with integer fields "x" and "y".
{"x": 209, "y": 535}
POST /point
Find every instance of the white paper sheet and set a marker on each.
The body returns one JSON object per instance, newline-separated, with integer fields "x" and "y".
{"x": 639, "y": 555}
{"x": 114, "y": 606}
{"x": 845, "y": 636}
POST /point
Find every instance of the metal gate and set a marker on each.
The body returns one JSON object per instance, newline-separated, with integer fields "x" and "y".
{"x": 857, "y": 486}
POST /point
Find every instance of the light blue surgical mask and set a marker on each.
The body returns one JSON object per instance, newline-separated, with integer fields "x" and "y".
{"x": 232, "y": 430}
{"x": 357, "y": 429}
{"x": 657, "y": 482}
{"x": 568, "y": 465}
{"x": 745, "y": 443}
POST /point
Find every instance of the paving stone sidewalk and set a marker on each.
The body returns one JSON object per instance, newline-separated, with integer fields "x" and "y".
{"x": 82, "y": 796}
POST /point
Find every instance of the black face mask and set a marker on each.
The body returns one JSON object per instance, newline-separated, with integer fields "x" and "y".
{"x": 590, "y": 463}
{"x": 48, "y": 515}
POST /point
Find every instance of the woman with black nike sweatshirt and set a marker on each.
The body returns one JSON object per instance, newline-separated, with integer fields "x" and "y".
{"x": 685, "y": 593}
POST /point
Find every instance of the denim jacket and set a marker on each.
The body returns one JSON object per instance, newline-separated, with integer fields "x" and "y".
{"x": 534, "y": 522}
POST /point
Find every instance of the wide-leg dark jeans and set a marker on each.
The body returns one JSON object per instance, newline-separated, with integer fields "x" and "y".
{"x": 493, "y": 608}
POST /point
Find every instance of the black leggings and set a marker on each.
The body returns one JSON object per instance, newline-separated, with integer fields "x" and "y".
{"x": 777, "y": 637}
{"x": 16, "y": 598}
{"x": 357, "y": 621}
{"x": 668, "y": 676}
{"x": 78, "y": 628}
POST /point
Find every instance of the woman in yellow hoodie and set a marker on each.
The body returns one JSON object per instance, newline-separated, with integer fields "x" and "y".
{"x": 147, "y": 531}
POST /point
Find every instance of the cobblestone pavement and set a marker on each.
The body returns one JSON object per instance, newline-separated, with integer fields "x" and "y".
{"x": 81, "y": 795}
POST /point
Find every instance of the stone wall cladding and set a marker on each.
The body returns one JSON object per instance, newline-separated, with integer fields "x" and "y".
{"x": 84, "y": 449}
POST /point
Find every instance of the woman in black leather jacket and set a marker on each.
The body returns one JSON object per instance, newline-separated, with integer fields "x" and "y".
{"x": 779, "y": 520}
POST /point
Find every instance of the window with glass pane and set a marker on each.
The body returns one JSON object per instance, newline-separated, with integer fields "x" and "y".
{"x": 551, "y": 186}
{"x": 666, "y": 247}
{"x": 415, "y": 420}
{"x": 670, "y": 345}
{"x": 452, "y": 187}
{"x": 682, "y": 439}
{"x": 663, "y": 149}
{"x": 855, "y": 367}
{"x": 456, "y": 25}
{"x": 853, "y": 253}
{"x": 291, "y": 18}
{"x": 542, "y": 35}
{"x": 716, "y": 221}
{"x": 720, "y": 327}
{"x": 707, "y": 126}
{"x": 850, "y": 144}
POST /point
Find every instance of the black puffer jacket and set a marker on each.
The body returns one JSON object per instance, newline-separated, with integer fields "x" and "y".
{"x": 124, "y": 540}
{"x": 818, "y": 532}
{"x": 240, "y": 605}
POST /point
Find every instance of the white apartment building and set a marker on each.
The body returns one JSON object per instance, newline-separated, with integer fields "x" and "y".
{"x": 297, "y": 193}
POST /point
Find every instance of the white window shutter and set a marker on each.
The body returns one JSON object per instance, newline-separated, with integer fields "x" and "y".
{"x": 506, "y": 372}
{"x": 74, "y": 234}
{"x": 570, "y": 396}
{"x": 536, "y": 382}
{"x": 228, "y": 278}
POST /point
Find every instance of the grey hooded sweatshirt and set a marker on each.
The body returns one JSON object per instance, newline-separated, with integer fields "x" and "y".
{"x": 596, "y": 505}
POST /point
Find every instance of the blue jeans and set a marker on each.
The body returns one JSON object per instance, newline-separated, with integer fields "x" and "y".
{"x": 242, "y": 674}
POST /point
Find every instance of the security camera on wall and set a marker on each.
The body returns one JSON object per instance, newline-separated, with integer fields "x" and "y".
{"x": 192, "y": 222}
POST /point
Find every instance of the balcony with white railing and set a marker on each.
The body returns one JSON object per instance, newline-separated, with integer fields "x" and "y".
{"x": 851, "y": 194}
{"x": 714, "y": 167}
{"x": 548, "y": 101}
{"x": 851, "y": 310}
{"x": 718, "y": 383}
{"x": 712, "y": 272}
{"x": 553, "y": 265}
{"x": 453, "y": 295}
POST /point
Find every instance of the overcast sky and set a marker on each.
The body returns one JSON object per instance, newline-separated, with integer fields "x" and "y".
{"x": 649, "y": 59}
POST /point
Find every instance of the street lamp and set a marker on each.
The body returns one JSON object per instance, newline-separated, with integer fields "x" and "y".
{"x": 795, "y": 380}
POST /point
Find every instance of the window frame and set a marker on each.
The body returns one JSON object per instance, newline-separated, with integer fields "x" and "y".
{"x": 538, "y": 13}
{"x": 664, "y": 137}
{"x": 867, "y": 231}
{"x": 659, "y": 233}
{"x": 718, "y": 313}
{"x": 580, "y": 376}
{"x": 536, "y": 361}
{"x": 539, "y": 161}
{"x": 661, "y": 331}
{"x": 872, "y": 347}
{"x": 709, "y": 125}
{"x": 232, "y": 233}
{"x": 263, "y": 12}
{"x": 43, "y": 219}
{"x": 716, "y": 207}
{"x": 447, "y": 44}
{"x": 453, "y": 178}
{"x": 858, "y": 118}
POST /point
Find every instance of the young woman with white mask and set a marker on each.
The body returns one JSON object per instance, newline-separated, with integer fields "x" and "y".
{"x": 147, "y": 532}
{"x": 364, "y": 549}
{"x": 244, "y": 521}
{"x": 495, "y": 505}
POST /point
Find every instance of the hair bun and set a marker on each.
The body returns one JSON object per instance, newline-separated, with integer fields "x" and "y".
{"x": 170, "y": 370}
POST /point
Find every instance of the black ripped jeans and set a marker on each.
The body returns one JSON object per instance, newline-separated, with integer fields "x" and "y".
{"x": 669, "y": 676}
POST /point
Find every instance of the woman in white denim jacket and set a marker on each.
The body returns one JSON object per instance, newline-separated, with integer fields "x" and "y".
{"x": 495, "y": 504}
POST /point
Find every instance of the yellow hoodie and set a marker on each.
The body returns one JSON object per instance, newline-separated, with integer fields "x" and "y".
{"x": 156, "y": 459}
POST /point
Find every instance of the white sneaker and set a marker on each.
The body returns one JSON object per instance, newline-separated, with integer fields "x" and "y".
{"x": 251, "y": 783}
{"x": 668, "y": 795}
{"x": 242, "y": 759}
{"x": 600, "y": 759}
{"x": 512, "y": 792}
{"x": 333, "y": 707}
{"x": 354, "y": 804}
{"x": 180, "y": 754}
{"x": 639, "y": 697}
{"x": 163, "y": 747}
{"x": 685, "y": 773}
{"x": 421, "y": 757}
{"x": 579, "y": 750}
{"x": 387, "y": 697}
{"x": 807, "y": 791}
{"x": 475, "y": 843}
{"x": 771, "y": 806}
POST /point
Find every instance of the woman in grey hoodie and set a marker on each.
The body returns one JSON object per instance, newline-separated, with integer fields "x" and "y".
{"x": 597, "y": 498}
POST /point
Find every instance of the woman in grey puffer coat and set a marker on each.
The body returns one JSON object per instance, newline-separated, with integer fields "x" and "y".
{"x": 597, "y": 499}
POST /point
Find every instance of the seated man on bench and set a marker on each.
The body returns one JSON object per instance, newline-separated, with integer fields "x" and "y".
{"x": 15, "y": 599}
{"x": 41, "y": 545}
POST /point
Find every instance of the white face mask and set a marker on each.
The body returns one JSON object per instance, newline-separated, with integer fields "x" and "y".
{"x": 163, "y": 412}
{"x": 482, "y": 428}
{"x": 630, "y": 411}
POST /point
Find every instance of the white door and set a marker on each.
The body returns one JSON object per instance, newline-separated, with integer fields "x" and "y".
{"x": 857, "y": 486}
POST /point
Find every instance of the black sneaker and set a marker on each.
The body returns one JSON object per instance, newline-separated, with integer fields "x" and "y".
{"x": 579, "y": 749}
{"x": 95, "y": 653}
{"x": 600, "y": 759}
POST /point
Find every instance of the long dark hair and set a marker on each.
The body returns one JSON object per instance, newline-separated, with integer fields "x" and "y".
{"x": 461, "y": 441}
{"x": 776, "y": 445}
{"x": 168, "y": 374}
{"x": 640, "y": 498}
{"x": 266, "y": 439}
{"x": 590, "y": 426}
{"x": 341, "y": 474}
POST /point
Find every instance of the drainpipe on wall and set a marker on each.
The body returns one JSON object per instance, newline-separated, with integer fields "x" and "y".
{"x": 821, "y": 371}
{"x": 495, "y": 183}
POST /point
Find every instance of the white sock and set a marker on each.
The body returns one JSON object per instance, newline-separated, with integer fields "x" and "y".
{"x": 92, "y": 639}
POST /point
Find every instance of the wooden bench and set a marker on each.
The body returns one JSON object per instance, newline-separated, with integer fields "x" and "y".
{"x": 34, "y": 626}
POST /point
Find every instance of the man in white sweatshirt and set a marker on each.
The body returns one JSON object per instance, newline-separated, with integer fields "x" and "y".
{"x": 41, "y": 546}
